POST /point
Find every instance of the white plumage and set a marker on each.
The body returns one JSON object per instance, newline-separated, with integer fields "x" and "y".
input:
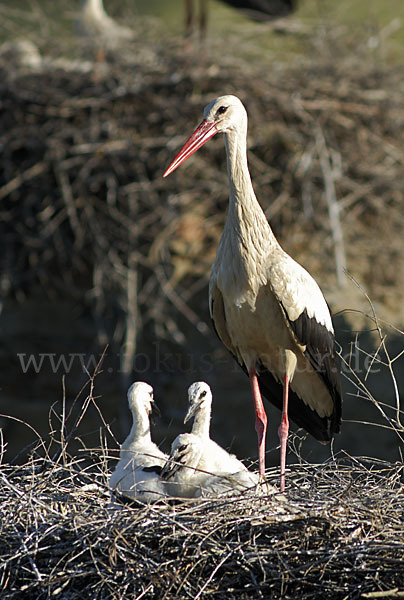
{"x": 97, "y": 26}
{"x": 267, "y": 310}
{"x": 231, "y": 484}
{"x": 137, "y": 474}
{"x": 195, "y": 458}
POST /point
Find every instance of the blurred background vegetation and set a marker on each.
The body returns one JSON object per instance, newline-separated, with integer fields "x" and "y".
{"x": 99, "y": 254}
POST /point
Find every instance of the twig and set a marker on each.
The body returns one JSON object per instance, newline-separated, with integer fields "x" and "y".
{"x": 24, "y": 177}
{"x": 333, "y": 208}
{"x": 394, "y": 593}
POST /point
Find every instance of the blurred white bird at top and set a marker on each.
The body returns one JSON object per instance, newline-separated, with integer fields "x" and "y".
{"x": 98, "y": 27}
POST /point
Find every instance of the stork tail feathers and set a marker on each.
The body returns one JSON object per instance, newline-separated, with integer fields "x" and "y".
{"x": 321, "y": 428}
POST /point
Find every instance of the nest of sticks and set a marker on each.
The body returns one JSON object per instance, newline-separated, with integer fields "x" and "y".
{"x": 337, "y": 533}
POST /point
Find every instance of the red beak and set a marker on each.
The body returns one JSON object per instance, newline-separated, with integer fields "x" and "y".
{"x": 201, "y": 135}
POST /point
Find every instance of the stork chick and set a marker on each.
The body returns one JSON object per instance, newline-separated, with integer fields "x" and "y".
{"x": 137, "y": 474}
{"x": 195, "y": 457}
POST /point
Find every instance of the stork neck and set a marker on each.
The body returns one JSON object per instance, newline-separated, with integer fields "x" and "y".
{"x": 244, "y": 207}
{"x": 201, "y": 424}
{"x": 141, "y": 425}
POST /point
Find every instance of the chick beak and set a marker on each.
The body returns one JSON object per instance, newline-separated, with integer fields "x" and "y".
{"x": 191, "y": 411}
{"x": 155, "y": 412}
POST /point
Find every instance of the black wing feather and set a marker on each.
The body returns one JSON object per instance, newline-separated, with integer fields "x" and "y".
{"x": 173, "y": 464}
{"x": 301, "y": 414}
{"x": 321, "y": 428}
{"x": 320, "y": 351}
{"x": 153, "y": 469}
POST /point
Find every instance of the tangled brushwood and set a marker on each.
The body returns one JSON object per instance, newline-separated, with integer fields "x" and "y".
{"x": 337, "y": 533}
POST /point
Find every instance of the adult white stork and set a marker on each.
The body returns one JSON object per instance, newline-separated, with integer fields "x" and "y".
{"x": 137, "y": 473}
{"x": 266, "y": 308}
{"x": 99, "y": 28}
{"x": 195, "y": 457}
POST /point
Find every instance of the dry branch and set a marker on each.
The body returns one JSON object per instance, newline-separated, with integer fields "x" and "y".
{"x": 333, "y": 207}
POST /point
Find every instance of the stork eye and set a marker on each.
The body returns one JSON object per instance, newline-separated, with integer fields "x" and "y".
{"x": 221, "y": 110}
{"x": 202, "y": 394}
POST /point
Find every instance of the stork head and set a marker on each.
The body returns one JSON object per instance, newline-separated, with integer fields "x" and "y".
{"x": 225, "y": 113}
{"x": 199, "y": 395}
{"x": 222, "y": 115}
{"x": 140, "y": 396}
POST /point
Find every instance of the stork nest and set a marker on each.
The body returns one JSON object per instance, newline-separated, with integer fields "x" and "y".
{"x": 337, "y": 533}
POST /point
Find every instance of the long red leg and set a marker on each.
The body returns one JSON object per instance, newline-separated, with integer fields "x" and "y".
{"x": 284, "y": 430}
{"x": 260, "y": 420}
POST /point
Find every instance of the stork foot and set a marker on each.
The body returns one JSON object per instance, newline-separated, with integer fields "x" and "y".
{"x": 263, "y": 488}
